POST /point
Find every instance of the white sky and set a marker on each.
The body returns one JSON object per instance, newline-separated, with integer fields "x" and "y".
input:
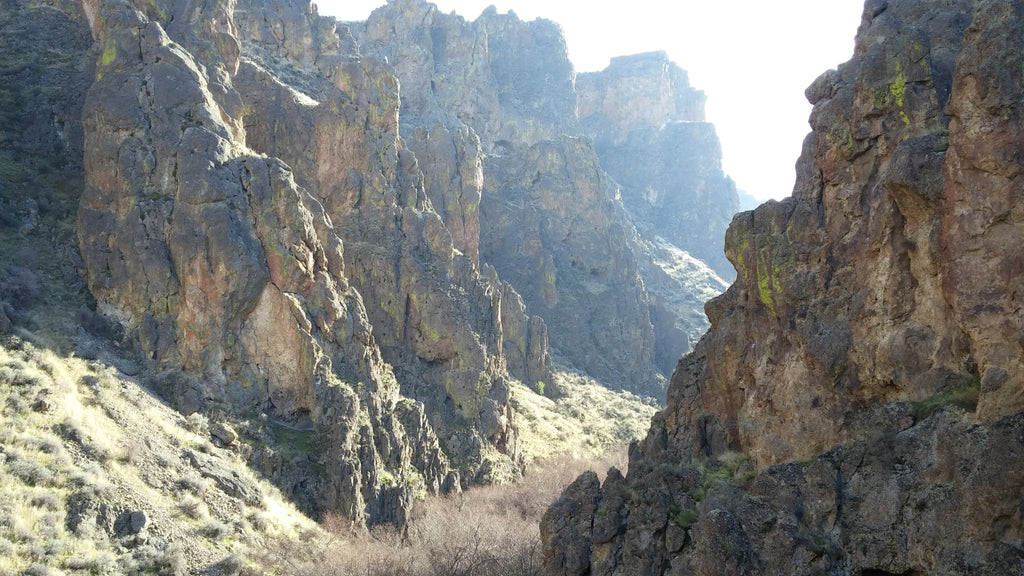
{"x": 753, "y": 59}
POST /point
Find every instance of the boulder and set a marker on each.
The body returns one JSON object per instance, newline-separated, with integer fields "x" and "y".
{"x": 224, "y": 433}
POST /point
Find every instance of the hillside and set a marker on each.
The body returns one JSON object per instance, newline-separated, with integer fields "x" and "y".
{"x": 855, "y": 407}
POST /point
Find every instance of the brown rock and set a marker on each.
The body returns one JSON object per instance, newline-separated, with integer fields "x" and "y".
{"x": 225, "y": 267}
{"x": 224, "y": 433}
{"x": 842, "y": 286}
{"x": 869, "y": 310}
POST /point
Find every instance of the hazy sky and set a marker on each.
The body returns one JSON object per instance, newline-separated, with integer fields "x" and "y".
{"x": 753, "y": 59}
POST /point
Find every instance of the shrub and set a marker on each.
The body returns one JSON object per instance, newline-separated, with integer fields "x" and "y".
{"x": 173, "y": 562}
{"x": 214, "y": 529}
{"x": 192, "y": 507}
{"x": 46, "y": 500}
{"x": 19, "y": 285}
{"x": 198, "y": 424}
{"x": 40, "y": 570}
{"x": 98, "y": 562}
{"x": 192, "y": 483}
{"x": 16, "y": 406}
{"x": 490, "y": 530}
{"x": 30, "y": 472}
{"x": 259, "y": 521}
{"x": 17, "y": 373}
{"x": 964, "y": 397}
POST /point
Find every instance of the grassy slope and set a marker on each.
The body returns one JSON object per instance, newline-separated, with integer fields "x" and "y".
{"x": 585, "y": 422}
{"x": 83, "y": 445}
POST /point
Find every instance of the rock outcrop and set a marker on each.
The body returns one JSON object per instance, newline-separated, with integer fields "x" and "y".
{"x": 497, "y": 98}
{"x": 651, "y": 135}
{"x": 224, "y": 262}
{"x": 363, "y": 232}
{"x": 439, "y": 316}
{"x": 885, "y": 286}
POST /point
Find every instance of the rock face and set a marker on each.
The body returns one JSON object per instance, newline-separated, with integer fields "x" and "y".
{"x": 230, "y": 265}
{"x": 650, "y": 133}
{"x": 497, "y": 99}
{"x": 439, "y": 316}
{"x": 363, "y": 232}
{"x": 942, "y": 495}
{"x": 883, "y": 286}
{"x": 500, "y": 92}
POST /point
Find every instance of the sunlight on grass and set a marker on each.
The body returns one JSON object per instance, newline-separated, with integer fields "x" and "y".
{"x": 584, "y": 423}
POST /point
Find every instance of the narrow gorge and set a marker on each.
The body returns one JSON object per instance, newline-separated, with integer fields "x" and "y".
{"x": 276, "y": 289}
{"x": 365, "y": 237}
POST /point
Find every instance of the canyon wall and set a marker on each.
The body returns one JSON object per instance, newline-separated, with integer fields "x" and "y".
{"x": 854, "y": 408}
{"x": 361, "y": 233}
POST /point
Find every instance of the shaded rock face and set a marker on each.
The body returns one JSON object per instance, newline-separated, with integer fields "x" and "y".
{"x": 45, "y": 71}
{"x": 553, "y": 228}
{"x": 651, "y": 137}
{"x": 917, "y": 501}
{"x": 650, "y": 133}
{"x": 43, "y": 86}
{"x": 885, "y": 280}
{"x": 491, "y": 107}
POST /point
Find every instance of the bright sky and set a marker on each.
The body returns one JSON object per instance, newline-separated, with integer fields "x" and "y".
{"x": 753, "y": 59}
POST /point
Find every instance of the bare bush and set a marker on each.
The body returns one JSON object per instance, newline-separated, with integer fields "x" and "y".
{"x": 192, "y": 507}
{"x": 20, "y": 285}
{"x": 492, "y": 530}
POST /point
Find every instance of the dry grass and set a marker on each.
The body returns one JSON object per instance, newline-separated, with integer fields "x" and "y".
{"x": 584, "y": 423}
{"x": 492, "y": 530}
{"x": 101, "y": 446}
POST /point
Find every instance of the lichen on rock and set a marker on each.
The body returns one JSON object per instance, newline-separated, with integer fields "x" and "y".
{"x": 848, "y": 362}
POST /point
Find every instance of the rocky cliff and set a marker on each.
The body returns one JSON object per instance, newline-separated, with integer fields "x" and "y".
{"x": 229, "y": 264}
{"x": 854, "y": 408}
{"x": 547, "y": 217}
{"x": 356, "y": 234}
{"x": 651, "y": 135}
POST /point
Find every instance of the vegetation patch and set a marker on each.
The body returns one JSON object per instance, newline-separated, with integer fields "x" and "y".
{"x": 302, "y": 441}
{"x": 585, "y": 421}
{"x": 731, "y": 468}
{"x": 685, "y": 518}
{"x": 964, "y": 397}
{"x": 82, "y": 448}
